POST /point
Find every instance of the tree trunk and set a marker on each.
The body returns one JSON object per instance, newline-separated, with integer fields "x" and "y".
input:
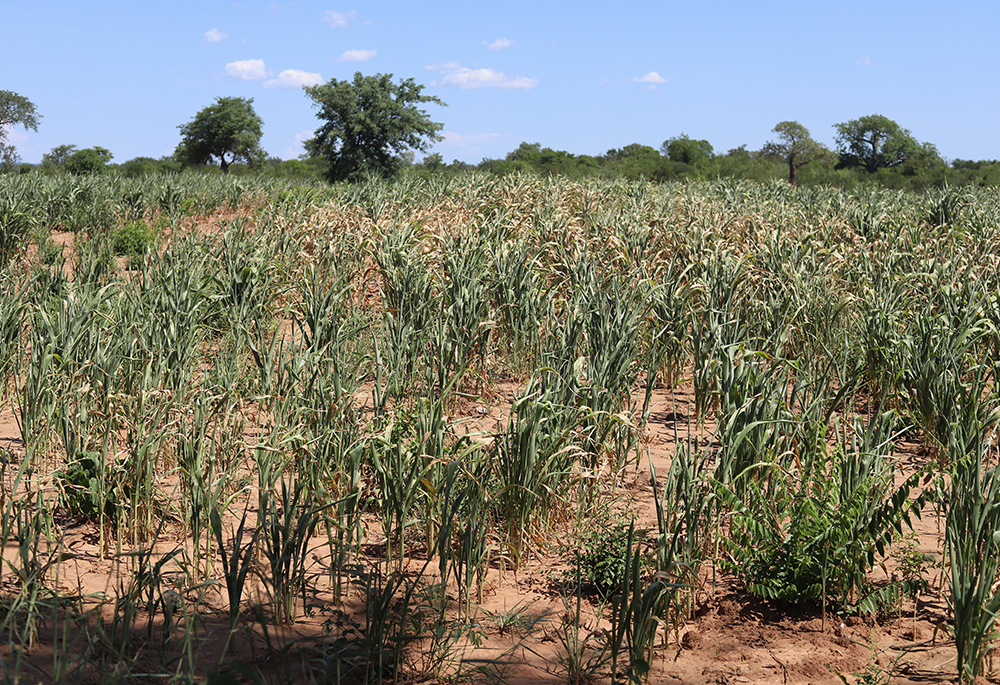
{"x": 224, "y": 165}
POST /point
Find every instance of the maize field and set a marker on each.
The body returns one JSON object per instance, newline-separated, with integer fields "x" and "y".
{"x": 496, "y": 429}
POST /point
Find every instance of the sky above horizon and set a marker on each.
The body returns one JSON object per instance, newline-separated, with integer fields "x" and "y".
{"x": 584, "y": 78}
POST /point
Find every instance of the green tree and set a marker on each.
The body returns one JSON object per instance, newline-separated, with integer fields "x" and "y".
{"x": 635, "y": 161}
{"x": 874, "y": 142}
{"x": 91, "y": 160}
{"x": 433, "y": 162}
{"x": 15, "y": 110}
{"x": 8, "y": 157}
{"x": 796, "y": 146}
{"x": 54, "y": 159}
{"x": 688, "y": 151}
{"x": 147, "y": 166}
{"x": 368, "y": 124}
{"x": 229, "y": 131}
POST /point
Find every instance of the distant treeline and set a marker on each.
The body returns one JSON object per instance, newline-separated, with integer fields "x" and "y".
{"x": 677, "y": 159}
{"x": 700, "y": 162}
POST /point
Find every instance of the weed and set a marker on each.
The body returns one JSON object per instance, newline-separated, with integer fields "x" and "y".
{"x": 133, "y": 240}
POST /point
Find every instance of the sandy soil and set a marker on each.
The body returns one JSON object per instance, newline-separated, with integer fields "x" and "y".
{"x": 733, "y": 637}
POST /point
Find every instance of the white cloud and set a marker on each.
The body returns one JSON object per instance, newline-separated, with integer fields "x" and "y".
{"x": 215, "y": 36}
{"x": 247, "y": 70}
{"x": 338, "y": 20}
{"x": 294, "y": 78}
{"x": 454, "y": 74}
{"x": 651, "y": 77}
{"x": 297, "y": 148}
{"x": 501, "y": 44}
{"x": 865, "y": 62}
{"x": 13, "y": 136}
{"x": 357, "y": 55}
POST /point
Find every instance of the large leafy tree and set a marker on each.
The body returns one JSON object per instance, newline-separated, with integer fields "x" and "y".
{"x": 635, "y": 161}
{"x": 229, "y": 131}
{"x": 15, "y": 110}
{"x": 796, "y": 146}
{"x": 91, "y": 160}
{"x": 54, "y": 160}
{"x": 875, "y": 142}
{"x": 368, "y": 124}
{"x": 687, "y": 150}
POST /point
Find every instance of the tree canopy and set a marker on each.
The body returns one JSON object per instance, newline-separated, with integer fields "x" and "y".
{"x": 635, "y": 161}
{"x": 91, "y": 160}
{"x": 796, "y": 146}
{"x": 15, "y": 110}
{"x": 874, "y": 142}
{"x": 229, "y": 131}
{"x": 688, "y": 151}
{"x": 54, "y": 159}
{"x": 368, "y": 123}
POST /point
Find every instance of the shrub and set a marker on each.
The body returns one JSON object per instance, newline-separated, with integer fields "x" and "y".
{"x": 603, "y": 559}
{"x": 133, "y": 239}
{"x": 85, "y": 489}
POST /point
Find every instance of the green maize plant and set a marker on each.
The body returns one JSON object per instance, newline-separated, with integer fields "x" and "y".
{"x": 477, "y": 545}
{"x": 207, "y": 472}
{"x": 16, "y": 221}
{"x": 669, "y": 329}
{"x": 244, "y": 288}
{"x": 637, "y": 612}
{"x": 411, "y": 301}
{"x": 714, "y": 326}
{"x": 286, "y": 522}
{"x": 613, "y": 324}
{"x": 168, "y": 309}
{"x": 753, "y": 419}
{"x": 12, "y": 312}
{"x": 403, "y": 458}
{"x": 972, "y": 529}
{"x": 464, "y": 329}
{"x": 534, "y": 460}
{"x": 236, "y": 566}
{"x": 323, "y": 315}
{"x": 518, "y": 296}
{"x": 684, "y": 517}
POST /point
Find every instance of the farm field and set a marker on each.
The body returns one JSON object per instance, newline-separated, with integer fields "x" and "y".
{"x": 497, "y": 429}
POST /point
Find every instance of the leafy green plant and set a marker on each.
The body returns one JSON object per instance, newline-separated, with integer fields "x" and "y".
{"x": 85, "y": 490}
{"x": 534, "y": 457}
{"x": 133, "y": 240}
{"x": 813, "y": 532}
{"x": 604, "y": 557}
{"x": 48, "y": 252}
{"x": 911, "y": 565}
{"x": 873, "y": 673}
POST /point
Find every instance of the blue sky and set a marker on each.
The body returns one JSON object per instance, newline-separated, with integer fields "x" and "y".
{"x": 583, "y": 77}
